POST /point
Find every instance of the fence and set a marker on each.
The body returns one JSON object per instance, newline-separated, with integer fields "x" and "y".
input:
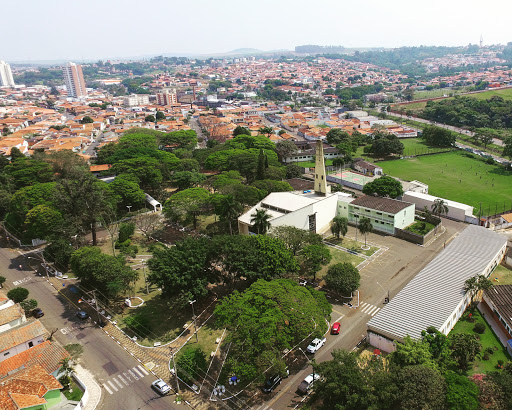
{"x": 343, "y": 182}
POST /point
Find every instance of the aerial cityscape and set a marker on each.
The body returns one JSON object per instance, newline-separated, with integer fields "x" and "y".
{"x": 308, "y": 213}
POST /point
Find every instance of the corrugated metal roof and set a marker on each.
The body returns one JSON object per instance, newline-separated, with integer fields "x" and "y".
{"x": 434, "y": 293}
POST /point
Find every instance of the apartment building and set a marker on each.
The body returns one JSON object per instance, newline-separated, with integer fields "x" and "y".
{"x": 6, "y": 78}
{"x": 166, "y": 97}
{"x": 74, "y": 80}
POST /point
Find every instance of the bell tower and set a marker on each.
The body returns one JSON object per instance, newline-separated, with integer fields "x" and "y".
{"x": 321, "y": 187}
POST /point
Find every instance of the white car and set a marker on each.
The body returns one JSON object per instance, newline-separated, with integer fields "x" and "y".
{"x": 161, "y": 387}
{"x": 315, "y": 345}
{"x": 307, "y": 383}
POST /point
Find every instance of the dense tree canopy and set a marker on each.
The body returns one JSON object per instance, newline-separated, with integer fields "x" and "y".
{"x": 384, "y": 186}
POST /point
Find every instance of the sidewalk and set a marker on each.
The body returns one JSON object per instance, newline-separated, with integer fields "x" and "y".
{"x": 93, "y": 389}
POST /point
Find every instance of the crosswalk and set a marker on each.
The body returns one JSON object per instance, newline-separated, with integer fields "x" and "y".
{"x": 124, "y": 379}
{"x": 369, "y": 309}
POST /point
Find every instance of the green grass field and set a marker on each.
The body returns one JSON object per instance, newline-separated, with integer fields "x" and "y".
{"x": 339, "y": 256}
{"x": 416, "y": 146}
{"x": 487, "y": 339}
{"x": 459, "y": 178}
{"x": 506, "y": 94}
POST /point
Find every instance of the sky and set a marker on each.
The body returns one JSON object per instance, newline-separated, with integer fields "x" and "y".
{"x": 76, "y": 30}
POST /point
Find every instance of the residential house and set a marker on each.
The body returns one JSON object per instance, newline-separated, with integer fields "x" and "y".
{"x": 498, "y": 300}
{"x": 21, "y": 338}
{"x": 366, "y": 168}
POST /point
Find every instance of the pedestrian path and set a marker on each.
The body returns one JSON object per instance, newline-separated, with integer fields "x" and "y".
{"x": 369, "y": 309}
{"x": 124, "y": 379}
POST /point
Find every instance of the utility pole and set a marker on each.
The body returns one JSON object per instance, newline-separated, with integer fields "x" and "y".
{"x": 175, "y": 371}
{"x": 100, "y": 321}
{"x": 194, "y": 317}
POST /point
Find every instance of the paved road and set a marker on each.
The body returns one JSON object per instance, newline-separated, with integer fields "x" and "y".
{"x": 390, "y": 272}
{"x": 126, "y": 384}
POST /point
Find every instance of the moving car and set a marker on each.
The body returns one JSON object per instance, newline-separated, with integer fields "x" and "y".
{"x": 307, "y": 383}
{"x": 82, "y": 315}
{"x": 161, "y": 387}
{"x": 315, "y": 345}
{"x": 37, "y": 313}
{"x": 335, "y": 329}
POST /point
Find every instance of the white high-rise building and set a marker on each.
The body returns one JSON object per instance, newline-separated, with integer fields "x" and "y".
{"x": 74, "y": 79}
{"x": 6, "y": 75}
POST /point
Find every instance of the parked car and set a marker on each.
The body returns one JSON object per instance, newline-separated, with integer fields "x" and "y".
{"x": 307, "y": 383}
{"x": 273, "y": 381}
{"x": 82, "y": 315}
{"x": 161, "y": 387}
{"x": 315, "y": 345}
{"x": 335, "y": 329}
{"x": 37, "y": 313}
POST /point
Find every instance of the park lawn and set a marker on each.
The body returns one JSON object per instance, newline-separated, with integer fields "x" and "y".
{"x": 487, "y": 339}
{"x": 311, "y": 164}
{"x": 454, "y": 176}
{"x": 503, "y": 274}
{"x": 352, "y": 245}
{"x": 206, "y": 337}
{"x": 339, "y": 256}
{"x": 416, "y": 228}
{"x": 416, "y": 146}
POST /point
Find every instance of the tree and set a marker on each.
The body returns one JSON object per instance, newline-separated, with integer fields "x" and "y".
{"x": 411, "y": 353}
{"x": 191, "y": 364}
{"x": 439, "y": 207}
{"x": 260, "y": 170}
{"x": 126, "y": 190}
{"x": 187, "y": 204}
{"x": 187, "y": 179}
{"x": 159, "y": 116}
{"x": 465, "y": 347}
{"x": 439, "y": 347}
{"x": 86, "y": 120}
{"x": 43, "y": 221}
{"x": 507, "y": 150}
{"x": 267, "y": 318}
{"x": 342, "y": 383}
{"x": 96, "y": 270}
{"x": 365, "y": 227}
{"x": 339, "y": 226}
{"x": 18, "y": 294}
{"x": 285, "y": 148}
{"x": 384, "y": 186}
{"x": 260, "y": 221}
{"x": 293, "y": 171}
{"x": 383, "y": 147}
{"x": 228, "y": 209}
{"x": 150, "y": 118}
{"x": 2, "y": 281}
{"x": 27, "y": 171}
{"x": 28, "y": 305}
{"x": 239, "y": 130}
{"x": 421, "y": 388}
{"x": 486, "y": 139}
{"x": 313, "y": 257}
{"x": 294, "y": 238}
{"x": 476, "y": 284}
{"x": 343, "y": 278}
{"x": 439, "y": 137}
{"x": 180, "y": 271}
{"x": 148, "y": 171}
{"x": 461, "y": 393}
{"x": 268, "y": 131}
{"x": 59, "y": 252}
{"x": 147, "y": 223}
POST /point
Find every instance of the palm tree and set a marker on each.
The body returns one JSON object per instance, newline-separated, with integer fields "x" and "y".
{"x": 339, "y": 226}
{"x": 365, "y": 227}
{"x": 476, "y": 284}
{"x": 230, "y": 209}
{"x": 439, "y": 207}
{"x": 260, "y": 220}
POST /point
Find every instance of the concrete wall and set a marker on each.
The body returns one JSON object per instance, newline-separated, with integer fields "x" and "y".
{"x": 415, "y": 238}
{"x": 458, "y": 214}
{"x": 381, "y": 342}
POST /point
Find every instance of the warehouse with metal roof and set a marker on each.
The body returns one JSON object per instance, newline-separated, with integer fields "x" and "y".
{"x": 435, "y": 296}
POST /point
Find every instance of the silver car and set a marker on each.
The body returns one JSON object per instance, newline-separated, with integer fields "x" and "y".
{"x": 161, "y": 387}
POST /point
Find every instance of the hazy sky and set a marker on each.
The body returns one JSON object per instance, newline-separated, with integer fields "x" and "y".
{"x": 94, "y": 29}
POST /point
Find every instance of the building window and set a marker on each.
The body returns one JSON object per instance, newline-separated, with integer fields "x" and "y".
{"x": 7, "y": 354}
{"x": 30, "y": 344}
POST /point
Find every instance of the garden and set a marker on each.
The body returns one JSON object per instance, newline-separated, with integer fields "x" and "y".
{"x": 420, "y": 227}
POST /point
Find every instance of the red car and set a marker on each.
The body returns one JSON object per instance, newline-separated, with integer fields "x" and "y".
{"x": 335, "y": 329}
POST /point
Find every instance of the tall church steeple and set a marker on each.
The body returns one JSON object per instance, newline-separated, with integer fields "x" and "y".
{"x": 321, "y": 187}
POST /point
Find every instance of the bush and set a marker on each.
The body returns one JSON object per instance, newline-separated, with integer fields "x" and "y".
{"x": 126, "y": 230}
{"x": 500, "y": 364}
{"x": 2, "y": 281}
{"x": 479, "y": 328}
{"x": 191, "y": 364}
{"x": 131, "y": 250}
{"x": 138, "y": 324}
{"x": 489, "y": 350}
{"x": 18, "y": 294}
{"x": 28, "y": 305}
{"x": 486, "y": 356}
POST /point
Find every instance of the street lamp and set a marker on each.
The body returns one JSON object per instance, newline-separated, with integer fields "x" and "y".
{"x": 45, "y": 266}
{"x": 194, "y": 317}
{"x": 129, "y": 207}
{"x": 144, "y": 273}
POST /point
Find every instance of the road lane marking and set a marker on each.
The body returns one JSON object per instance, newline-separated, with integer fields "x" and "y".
{"x": 113, "y": 385}
{"x": 107, "y": 389}
{"x": 137, "y": 372}
{"x": 143, "y": 370}
{"x": 133, "y": 374}
{"x": 123, "y": 380}
{"x": 128, "y": 377}
{"x": 118, "y": 383}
